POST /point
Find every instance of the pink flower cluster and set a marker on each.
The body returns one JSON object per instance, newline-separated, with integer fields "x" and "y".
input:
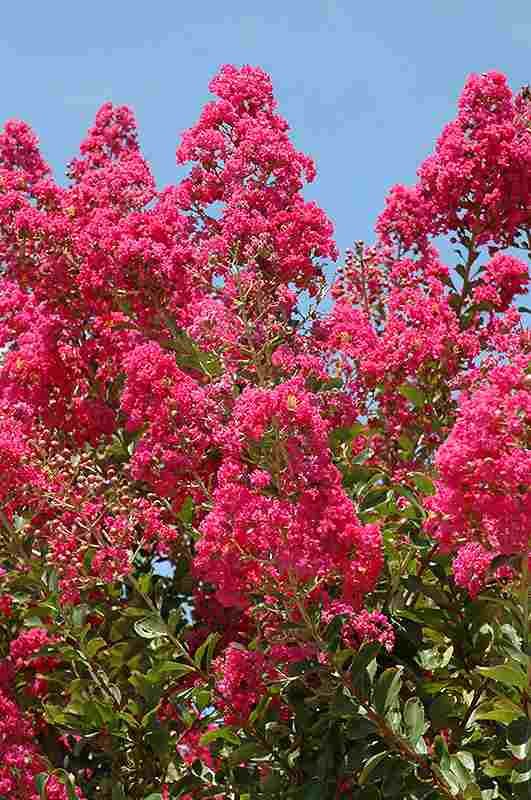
{"x": 176, "y": 414}
{"x": 168, "y": 389}
{"x": 504, "y": 278}
{"x": 482, "y": 506}
{"x": 241, "y": 684}
{"x": 20, "y": 757}
{"x": 404, "y": 324}
{"x": 245, "y": 161}
{"x": 477, "y": 178}
{"x": 281, "y": 516}
{"x": 360, "y": 627}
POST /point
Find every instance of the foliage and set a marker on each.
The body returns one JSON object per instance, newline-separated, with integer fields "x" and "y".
{"x": 252, "y": 545}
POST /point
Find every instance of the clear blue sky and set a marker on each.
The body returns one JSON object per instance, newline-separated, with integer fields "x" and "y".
{"x": 366, "y": 86}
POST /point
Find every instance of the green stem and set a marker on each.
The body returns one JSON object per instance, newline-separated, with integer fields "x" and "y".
{"x": 472, "y": 257}
{"x": 402, "y": 746}
{"x": 395, "y": 741}
{"x": 175, "y": 641}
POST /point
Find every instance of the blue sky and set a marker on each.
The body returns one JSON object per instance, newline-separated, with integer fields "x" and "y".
{"x": 365, "y": 86}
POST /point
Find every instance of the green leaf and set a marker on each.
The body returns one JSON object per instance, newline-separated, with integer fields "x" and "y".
{"x": 149, "y": 692}
{"x": 158, "y": 739}
{"x": 202, "y": 698}
{"x": 413, "y": 394}
{"x": 387, "y": 689}
{"x": 40, "y": 782}
{"x": 133, "y": 611}
{"x": 344, "y": 435}
{"x": 186, "y": 512}
{"x": 260, "y": 709}
{"x": 449, "y": 777}
{"x": 441, "y": 710}
{"x": 414, "y": 584}
{"x": 434, "y": 618}
{"x": 131, "y": 721}
{"x": 506, "y": 674}
{"x": 79, "y": 615}
{"x": 273, "y": 784}
{"x": 500, "y": 767}
{"x": 207, "y": 648}
{"x": 246, "y": 752}
{"x": 501, "y": 710}
{"x": 364, "y": 657}
{"x": 174, "y": 668}
{"x": 423, "y": 483}
{"x": 312, "y": 791}
{"x": 414, "y": 719}
{"x": 519, "y": 731}
{"x": 462, "y": 766}
{"x": 67, "y": 781}
{"x": 343, "y": 706}
{"x": 520, "y": 777}
{"x": 54, "y": 714}
{"x": 151, "y": 627}
{"x": 220, "y": 733}
{"x": 370, "y": 766}
{"x": 153, "y": 796}
{"x": 369, "y": 793}
{"x": 333, "y": 630}
{"x": 361, "y": 728}
{"x": 94, "y": 645}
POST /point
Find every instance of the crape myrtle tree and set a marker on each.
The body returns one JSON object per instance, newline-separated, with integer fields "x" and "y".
{"x": 252, "y": 545}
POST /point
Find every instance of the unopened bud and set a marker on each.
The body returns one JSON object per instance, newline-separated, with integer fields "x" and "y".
{"x": 291, "y": 402}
